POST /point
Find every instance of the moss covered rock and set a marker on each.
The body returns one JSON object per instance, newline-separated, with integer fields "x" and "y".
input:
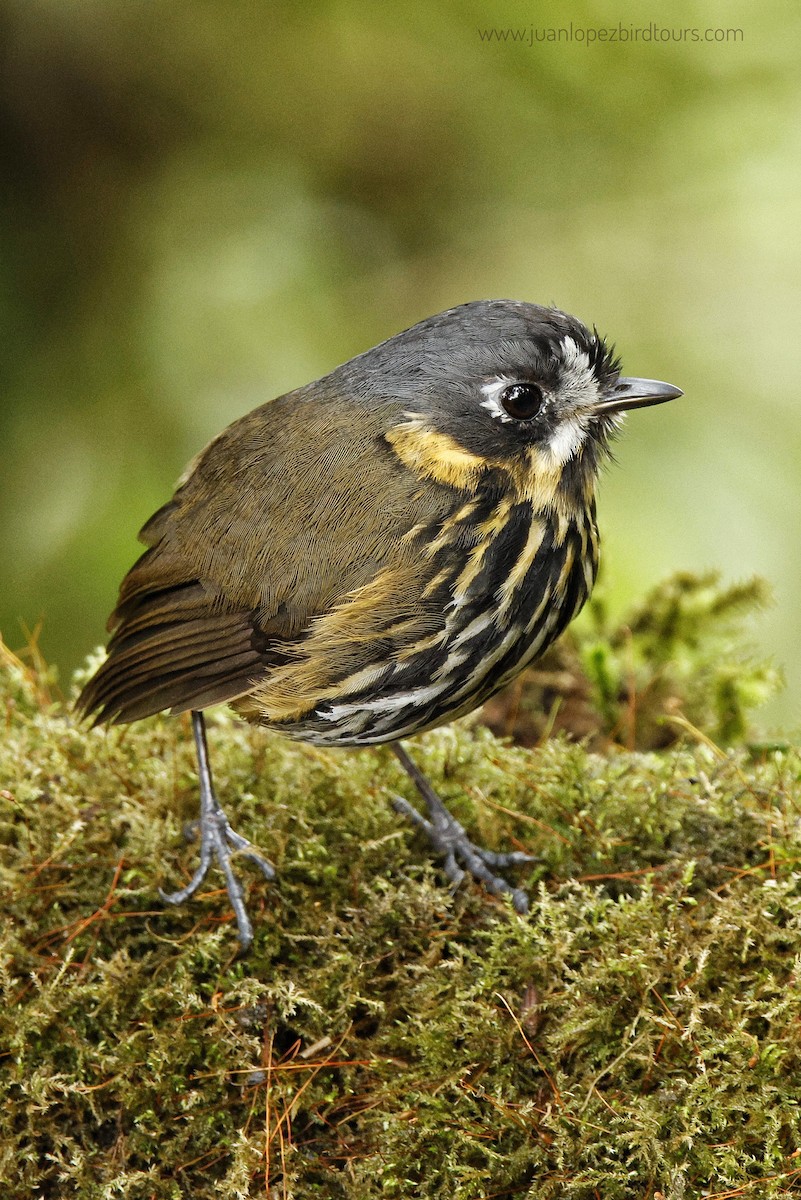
{"x": 636, "y": 1035}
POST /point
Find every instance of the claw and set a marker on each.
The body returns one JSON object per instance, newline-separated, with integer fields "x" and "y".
{"x": 450, "y": 839}
{"x": 220, "y": 842}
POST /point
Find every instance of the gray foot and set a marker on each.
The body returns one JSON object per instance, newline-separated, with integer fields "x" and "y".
{"x": 450, "y": 839}
{"x": 218, "y": 842}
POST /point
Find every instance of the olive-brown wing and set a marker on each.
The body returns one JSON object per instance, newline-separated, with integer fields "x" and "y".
{"x": 287, "y": 512}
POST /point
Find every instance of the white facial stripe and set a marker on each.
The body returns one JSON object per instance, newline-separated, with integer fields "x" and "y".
{"x": 493, "y": 391}
{"x": 578, "y": 385}
{"x": 576, "y": 395}
{"x": 574, "y": 358}
{"x": 567, "y": 439}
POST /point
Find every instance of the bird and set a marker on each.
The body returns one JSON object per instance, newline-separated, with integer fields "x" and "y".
{"x": 376, "y": 553}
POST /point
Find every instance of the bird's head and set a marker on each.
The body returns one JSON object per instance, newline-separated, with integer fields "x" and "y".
{"x": 500, "y": 388}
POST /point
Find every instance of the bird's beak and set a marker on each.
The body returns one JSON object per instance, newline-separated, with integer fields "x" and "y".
{"x": 636, "y": 393}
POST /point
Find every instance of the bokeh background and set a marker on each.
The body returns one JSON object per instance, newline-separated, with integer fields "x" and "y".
{"x": 207, "y": 203}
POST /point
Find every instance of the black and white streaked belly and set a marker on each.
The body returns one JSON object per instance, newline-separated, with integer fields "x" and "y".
{"x": 504, "y": 598}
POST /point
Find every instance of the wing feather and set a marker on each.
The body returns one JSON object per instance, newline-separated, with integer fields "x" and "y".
{"x": 270, "y": 529}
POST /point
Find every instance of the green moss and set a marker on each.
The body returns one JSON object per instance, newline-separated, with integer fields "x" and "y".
{"x": 679, "y": 656}
{"x": 636, "y": 1034}
{"x": 682, "y": 648}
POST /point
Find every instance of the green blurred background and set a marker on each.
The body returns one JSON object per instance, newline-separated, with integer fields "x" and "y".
{"x": 205, "y": 204}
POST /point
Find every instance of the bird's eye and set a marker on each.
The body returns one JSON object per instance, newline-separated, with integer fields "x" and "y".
{"x": 522, "y": 401}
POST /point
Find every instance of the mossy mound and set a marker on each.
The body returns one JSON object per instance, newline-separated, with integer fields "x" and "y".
{"x": 636, "y": 1035}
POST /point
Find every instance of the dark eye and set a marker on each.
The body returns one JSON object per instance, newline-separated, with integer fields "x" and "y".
{"x": 522, "y": 401}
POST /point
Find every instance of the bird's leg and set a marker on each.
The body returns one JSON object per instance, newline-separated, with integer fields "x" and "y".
{"x": 449, "y": 838}
{"x": 217, "y": 839}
